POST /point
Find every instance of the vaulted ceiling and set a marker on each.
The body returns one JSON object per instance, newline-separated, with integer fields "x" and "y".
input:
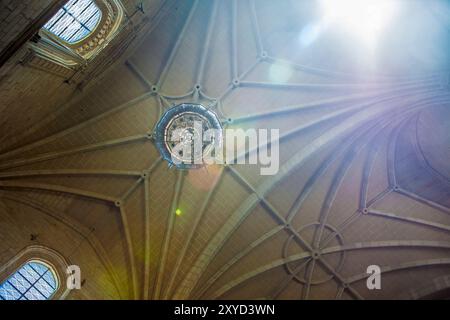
{"x": 364, "y": 173}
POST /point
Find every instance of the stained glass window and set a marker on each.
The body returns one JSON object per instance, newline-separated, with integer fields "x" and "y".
{"x": 33, "y": 281}
{"x": 75, "y": 21}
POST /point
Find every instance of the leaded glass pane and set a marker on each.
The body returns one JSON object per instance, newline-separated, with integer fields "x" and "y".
{"x": 19, "y": 282}
{"x": 29, "y": 273}
{"x": 70, "y": 29}
{"x": 75, "y": 21}
{"x": 50, "y": 279}
{"x": 33, "y": 294}
{"x": 8, "y": 292}
{"x": 33, "y": 281}
{"x": 38, "y": 267}
{"x": 92, "y": 22}
{"x": 44, "y": 288}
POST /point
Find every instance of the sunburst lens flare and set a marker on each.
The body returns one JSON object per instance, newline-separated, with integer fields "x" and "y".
{"x": 363, "y": 18}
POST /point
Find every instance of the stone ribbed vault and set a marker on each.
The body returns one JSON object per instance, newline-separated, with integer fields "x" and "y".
{"x": 364, "y": 173}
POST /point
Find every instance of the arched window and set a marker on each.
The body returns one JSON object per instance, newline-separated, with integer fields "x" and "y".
{"x": 75, "y": 36}
{"x": 35, "y": 280}
{"x": 75, "y": 21}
